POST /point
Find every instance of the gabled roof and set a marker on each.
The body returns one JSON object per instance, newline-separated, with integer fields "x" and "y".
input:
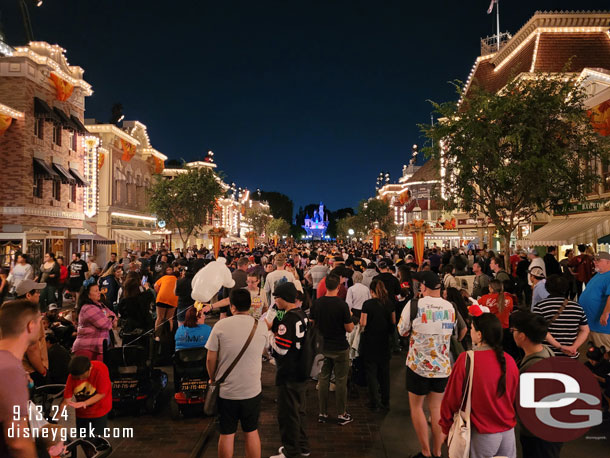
{"x": 546, "y": 44}
{"x": 429, "y": 172}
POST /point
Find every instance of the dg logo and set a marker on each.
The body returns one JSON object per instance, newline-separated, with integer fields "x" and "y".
{"x": 559, "y": 399}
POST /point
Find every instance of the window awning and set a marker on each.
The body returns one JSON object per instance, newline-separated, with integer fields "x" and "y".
{"x": 80, "y": 128}
{"x": 84, "y": 234}
{"x": 80, "y": 180}
{"x": 571, "y": 230}
{"x": 64, "y": 175}
{"x": 43, "y": 110}
{"x": 41, "y": 168}
{"x": 64, "y": 119}
{"x": 127, "y": 235}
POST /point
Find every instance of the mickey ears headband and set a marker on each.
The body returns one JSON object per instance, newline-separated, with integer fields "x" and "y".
{"x": 88, "y": 282}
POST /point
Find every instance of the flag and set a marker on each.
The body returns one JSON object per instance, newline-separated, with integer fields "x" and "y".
{"x": 491, "y": 6}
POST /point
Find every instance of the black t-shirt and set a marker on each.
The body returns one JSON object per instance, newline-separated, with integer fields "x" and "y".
{"x": 183, "y": 291}
{"x": 391, "y": 283}
{"x": 288, "y": 346}
{"x": 374, "y": 341}
{"x": 77, "y": 271}
{"x": 331, "y": 314}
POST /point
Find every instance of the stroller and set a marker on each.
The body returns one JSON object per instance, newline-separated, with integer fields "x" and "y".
{"x": 49, "y": 397}
{"x": 135, "y": 381}
{"x": 190, "y": 381}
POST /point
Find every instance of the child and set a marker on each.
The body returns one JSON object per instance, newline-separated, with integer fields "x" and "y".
{"x": 89, "y": 391}
{"x": 259, "y": 299}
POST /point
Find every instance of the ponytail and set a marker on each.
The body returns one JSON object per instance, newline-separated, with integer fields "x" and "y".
{"x": 502, "y": 361}
{"x": 498, "y": 287}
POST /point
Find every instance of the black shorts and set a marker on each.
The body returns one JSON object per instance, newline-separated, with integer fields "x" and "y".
{"x": 164, "y": 306}
{"x": 74, "y": 285}
{"x": 245, "y": 411}
{"x": 421, "y": 386}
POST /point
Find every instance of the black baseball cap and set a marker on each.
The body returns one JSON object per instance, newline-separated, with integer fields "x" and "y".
{"x": 286, "y": 291}
{"x": 428, "y": 279}
{"x": 385, "y": 263}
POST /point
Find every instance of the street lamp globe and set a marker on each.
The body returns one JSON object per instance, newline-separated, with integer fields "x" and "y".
{"x": 350, "y": 232}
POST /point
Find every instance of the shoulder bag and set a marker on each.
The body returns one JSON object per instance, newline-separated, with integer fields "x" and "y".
{"x": 459, "y": 433}
{"x": 211, "y": 396}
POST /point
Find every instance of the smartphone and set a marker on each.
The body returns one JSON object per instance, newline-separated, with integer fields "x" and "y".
{"x": 144, "y": 280}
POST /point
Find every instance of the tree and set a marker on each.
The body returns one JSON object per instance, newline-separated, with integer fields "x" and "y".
{"x": 376, "y": 210}
{"x": 258, "y": 218}
{"x": 355, "y": 222}
{"x": 525, "y": 150}
{"x": 187, "y": 201}
{"x": 278, "y": 226}
{"x": 280, "y": 204}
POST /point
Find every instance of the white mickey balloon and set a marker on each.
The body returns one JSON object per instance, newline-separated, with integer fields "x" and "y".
{"x": 208, "y": 280}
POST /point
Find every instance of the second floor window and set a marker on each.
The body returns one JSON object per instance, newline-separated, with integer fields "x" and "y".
{"x": 39, "y": 128}
{"x": 73, "y": 192}
{"x": 73, "y": 141}
{"x": 56, "y": 189}
{"x": 38, "y": 186}
{"x": 57, "y": 134}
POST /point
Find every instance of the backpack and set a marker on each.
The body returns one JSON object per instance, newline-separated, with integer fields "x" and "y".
{"x": 312, "y": 346}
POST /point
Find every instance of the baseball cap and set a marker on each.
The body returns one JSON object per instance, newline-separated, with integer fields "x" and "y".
{"x": 54, "y": 307}
{"x": 594, "y": 353}
{"x": 602, "y": 255}
{"x": 28, "y": 285}
{"x": 533, "y": 251}
{"x": 385, "y": 263}
{"x": 286, "y": 291}
{"x": 478, "y": 310}
{"x": 537, "y": 272}
{"x": 428, "y": 279}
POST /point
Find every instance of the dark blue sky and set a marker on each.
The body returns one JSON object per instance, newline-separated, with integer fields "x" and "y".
{"x": 311, "y": 99}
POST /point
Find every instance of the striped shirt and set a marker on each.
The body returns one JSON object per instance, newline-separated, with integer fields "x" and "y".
{"x": 565, "y": 328}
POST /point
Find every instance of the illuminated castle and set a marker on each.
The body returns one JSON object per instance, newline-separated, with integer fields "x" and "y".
{"x": 316, "y": 226}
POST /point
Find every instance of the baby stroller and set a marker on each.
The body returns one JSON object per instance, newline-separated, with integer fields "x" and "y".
{"x": 190, "y": 381}
{"x": 49, "y": 398}
{"x": 135, "y": 382}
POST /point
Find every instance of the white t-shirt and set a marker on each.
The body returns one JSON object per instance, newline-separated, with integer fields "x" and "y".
{"x": 228, "y": 336}
{"x": 356, "y": 295}
{"x": 430, "y": 337}
{"x": 274, "y": 279}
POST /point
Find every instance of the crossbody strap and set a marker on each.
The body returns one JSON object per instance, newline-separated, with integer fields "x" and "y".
{"x": 467, "y": 387}
{"x": 559, "y": 312}
{"x": 238, "y": 357}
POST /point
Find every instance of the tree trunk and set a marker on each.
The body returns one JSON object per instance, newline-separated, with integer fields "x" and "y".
{"x": 506, "y": 248}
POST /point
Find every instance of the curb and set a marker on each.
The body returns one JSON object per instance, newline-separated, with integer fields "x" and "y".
{"x": 203, "y": 440}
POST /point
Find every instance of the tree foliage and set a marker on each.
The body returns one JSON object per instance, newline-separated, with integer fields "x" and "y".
{"x": 278, "y": 226}
{"x": 258, "y": 218}
{"x": 376, "y": 210}
{"x": 524, "y": 150}
{"x": 187, "y": 201}
{"x": 281, "y": 205}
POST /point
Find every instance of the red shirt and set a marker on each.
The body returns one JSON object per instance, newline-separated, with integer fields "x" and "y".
{"x": 514, "y": 260}
{"x": 490, "y": 413}
{"x": 97, "y": 382}
{"x": 321, "y": 291}
{"x": 491, "y": 301}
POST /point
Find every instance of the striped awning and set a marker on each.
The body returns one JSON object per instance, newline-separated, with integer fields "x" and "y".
{"x": 128, "y": 235}
{"x": 571, "y": 230}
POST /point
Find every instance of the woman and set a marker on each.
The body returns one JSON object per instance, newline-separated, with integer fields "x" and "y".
{"x": 134, "y": 306}
{"x": 463, "y": 318}
{"x": 110, "y": 283}
{"x": 377, "y": 322}
{"x": 49, "y": 274}
{"x": 92, "y": 266}
{"x": 449, "y": 280}
{"x": 95, "y": 322}
{"x": 194, "y": 333}
{"x": 494, "y": 386}
{"x": 63, "y": 280}
{"x": 498, "y": 302}
{"x": 167, "y": 301}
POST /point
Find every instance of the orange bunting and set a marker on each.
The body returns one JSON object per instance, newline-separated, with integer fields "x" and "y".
{"x": 63, "y": 89}
{"x": 159, "y": 165}
{"x": 129, "y": 150}
{"x": 5, "y": 123}
{"x": 100, "y": 160}
{"x": 600, "y": 118}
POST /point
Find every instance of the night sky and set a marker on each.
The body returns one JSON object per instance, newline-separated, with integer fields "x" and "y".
{"x": 311, "y": 99}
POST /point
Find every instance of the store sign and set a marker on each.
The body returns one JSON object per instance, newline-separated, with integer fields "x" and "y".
{"x": 583, "y": 207}
{"x": 91, "y": 175}
{"x": 473, "y": 222}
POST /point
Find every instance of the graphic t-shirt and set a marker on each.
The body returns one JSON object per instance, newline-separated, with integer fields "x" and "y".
{"x": 77, "y": 271}
{"x": 287, "y": 345}
{"x": 491, "y": 301}
{"x": 97, "y": 382}
{"x": 275, "y": 279}
{"x": 430, "y": 336}
{"x": 258, "y": 303}
{"x": 192, "y": 337}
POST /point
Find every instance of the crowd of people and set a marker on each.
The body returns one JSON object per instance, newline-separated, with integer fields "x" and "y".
{"x": 365, "y": 306}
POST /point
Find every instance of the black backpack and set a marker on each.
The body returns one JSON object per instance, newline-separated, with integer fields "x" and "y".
{"x": 312, "y": 346}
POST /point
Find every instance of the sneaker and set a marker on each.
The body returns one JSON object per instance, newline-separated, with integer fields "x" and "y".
{"x": 322, "y": 418}
{"x": 344, "y": 419}
{"x": 420, "y": 455}
{"x": 283, "y": 455}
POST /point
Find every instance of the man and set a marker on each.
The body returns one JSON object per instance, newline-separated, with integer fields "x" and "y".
{"x": 551, "y": 264}
{"x": 583, "y": 268}
{"x": 480, "y": 285}
{"x": 391, "y": 283}
{"x": 112, "y": 261}
{"x": 20, "y": 271}
{"x": 595, "y": 300}
{"x": 240, "y": 276}
{"x": 535, "y": 261}
{"x": 77, "y": 270}
{"x": 495, "y": 264}
{"x": 240, "y": 394}
{"x": 568, "y": 326}
{"x": 20, "y": 324}
{"x": 537, "y": 279}
{"x": 317, "y": 273}
{"x": 291, "y": 377}
{"x": 529, "y": 331}
{"x": 435, "y": 260}
{"x": 428, "y": 363}
{"x": 277, "y": 277}
{"x": 331, "y": 314}
{"x": 89, "y": 391}
{"x": 36, "y": 360}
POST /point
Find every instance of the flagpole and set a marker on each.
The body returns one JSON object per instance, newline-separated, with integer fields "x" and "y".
{"x": 498, "y": 21}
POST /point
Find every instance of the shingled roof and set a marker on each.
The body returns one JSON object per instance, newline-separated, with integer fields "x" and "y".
{"x": 546, "y": 44}
{"x": 428, "y": 172}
